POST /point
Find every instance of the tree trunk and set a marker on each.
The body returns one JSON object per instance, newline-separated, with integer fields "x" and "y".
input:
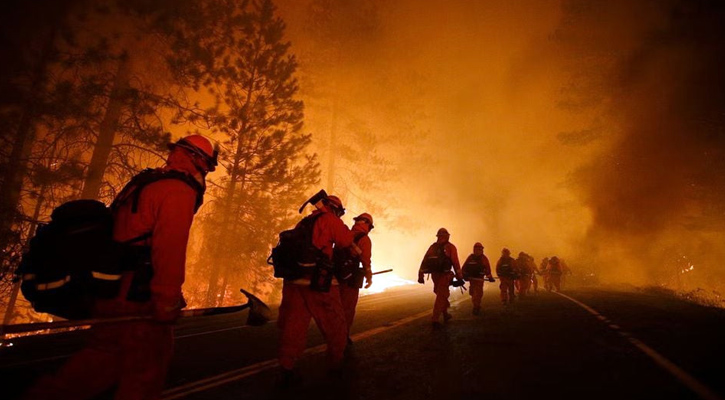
{"x": 17, "y": 166}
{"x": 223, "y": 289}
{"x": 107, "y": 132}
{"x": 10, "y": 309}
{"x": 332, "y": 152}
{"x": 225, "y": 229}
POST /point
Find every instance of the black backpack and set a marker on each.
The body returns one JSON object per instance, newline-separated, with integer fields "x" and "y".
{"x": 473, "y": 267}
{"x": 506, "y": 269}
{"x": 294, "y": 255}
{"x": 437, "y": 261}
{"x": 73, "y": 259}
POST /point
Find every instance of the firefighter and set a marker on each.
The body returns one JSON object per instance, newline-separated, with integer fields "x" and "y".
{"x": 306, "y": 298}
{"x": 135, "y": 356}
{"x": 352, "y": 267}
{"x": 555, "y": 271}
{"x": 523, "y": 269}
{"x": 475, "y": 269}
{"x": 506, "y": 271}
{"x": 534, "y": 273}
{"x": 437, "y": 262}
{"x": 544, "y": 271}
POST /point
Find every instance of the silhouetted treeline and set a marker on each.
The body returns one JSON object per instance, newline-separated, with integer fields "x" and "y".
{"x": 92, "y": 91}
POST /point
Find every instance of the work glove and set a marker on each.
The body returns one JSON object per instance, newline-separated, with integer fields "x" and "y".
{"x": 421, "y": 278}
{"x": 458, "y": 283}
{"x": 459, "y": 276}
{"x": 167, "y": 310}
{"x": 368, "y": 279}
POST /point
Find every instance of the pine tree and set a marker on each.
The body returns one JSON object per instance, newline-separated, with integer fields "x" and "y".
{"x": 264, "y": 156}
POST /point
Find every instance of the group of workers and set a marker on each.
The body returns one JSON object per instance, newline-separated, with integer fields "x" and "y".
{"x": 135, "y": 356}
{"x": 516, "y": 276}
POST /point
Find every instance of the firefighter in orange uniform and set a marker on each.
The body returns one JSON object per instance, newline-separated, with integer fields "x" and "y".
{"x": 437, "y": 262}
{"x": 506, "y": 271}
{"x": 135, "y": 356}
{"x": 350, "y": 271}
{"x": 555, "y": 271}
{"x": 316, "y": 295}
{"x": 475, "y": 269}
{"x": 523, "y": 280}
{"x": 544, "y": 271}
{"x": 535, "y": 272}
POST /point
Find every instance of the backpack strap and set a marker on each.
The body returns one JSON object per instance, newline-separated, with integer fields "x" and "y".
{"x": 357, "y": 236}
{"x": 441, "y": 250}
{"x": 308, "y": 222}
{"x": 133, "y": 188}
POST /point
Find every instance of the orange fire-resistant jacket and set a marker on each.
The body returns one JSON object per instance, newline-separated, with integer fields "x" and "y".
{"x": 329, "y": 230}
{"x": 365, "y": 244}
{"x": 166, "y": 210}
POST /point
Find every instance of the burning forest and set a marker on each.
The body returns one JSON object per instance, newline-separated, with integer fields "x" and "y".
{"x": 592, "y": 130}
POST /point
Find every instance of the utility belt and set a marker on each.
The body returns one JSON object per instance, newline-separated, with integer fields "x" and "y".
{"x": 354, "y": 279}
{"x": 137, "y": 259}
{"x": 320, "y": 275}
{"x": 350, "y": 273}
{"x": 433, "y": 269}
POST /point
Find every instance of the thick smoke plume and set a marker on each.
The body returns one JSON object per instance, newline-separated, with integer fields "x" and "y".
{"x": 588, "y": 129}
{"x": 656, "y": 190}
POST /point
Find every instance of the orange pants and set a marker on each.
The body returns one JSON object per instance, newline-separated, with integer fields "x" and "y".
{"x": 133, "y": 355}
{"x": 555, "y": 280}
{"x": 547, "y": 281}
{"x": 349, "y": 296}
{"x": 441, "y": 283}
{"x": 524, "y": 283}
{"x": 507, "y": 289}
{"x": 475, "y": 289}
{"x": 299, "y": 305}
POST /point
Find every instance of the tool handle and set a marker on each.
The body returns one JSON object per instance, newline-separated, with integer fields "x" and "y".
{"x": 39, "y": 326}
{"x": 385, "y": 271}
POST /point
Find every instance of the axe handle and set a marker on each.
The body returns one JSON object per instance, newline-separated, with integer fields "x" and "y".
{"x": 197, "y": 312}
{"x": 383, "y": 271}
{"x": 20, "y": 328}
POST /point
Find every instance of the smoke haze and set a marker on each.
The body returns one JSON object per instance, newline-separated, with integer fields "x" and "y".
{"x": 591, "y": 130}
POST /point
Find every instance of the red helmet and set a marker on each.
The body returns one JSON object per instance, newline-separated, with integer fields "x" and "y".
{"x": 365, "y": 217}
{"x": 443, "y": 232}
{"x": 200, "y": 146}
{"x": 335, "y": 203}
{"x": 477, "y": 245}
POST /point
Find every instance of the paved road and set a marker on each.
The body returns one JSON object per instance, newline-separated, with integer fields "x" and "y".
{"x": 592, "y": 344}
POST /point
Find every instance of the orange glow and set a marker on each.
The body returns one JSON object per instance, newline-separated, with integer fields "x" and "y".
{"x": 383, "y": 282}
